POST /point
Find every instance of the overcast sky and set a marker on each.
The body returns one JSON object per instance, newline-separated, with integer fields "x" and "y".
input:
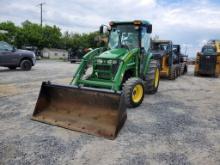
{"x": 187, "y": 22}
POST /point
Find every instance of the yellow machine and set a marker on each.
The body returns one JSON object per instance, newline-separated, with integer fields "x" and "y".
{"x": 208, "y": 60}
{"x": 163, "y": 50}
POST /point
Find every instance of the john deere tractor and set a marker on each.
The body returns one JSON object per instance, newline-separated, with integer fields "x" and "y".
{"x": 106, "y": 82}
{"x": 208, "y": 60}
{"x": 169, "y": 58}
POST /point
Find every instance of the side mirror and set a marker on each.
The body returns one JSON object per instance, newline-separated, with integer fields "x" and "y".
{"x": 101, "y": 29}
{"x": 104, "y": 29}
{"x": 13, "y": 49}
{"x": 149, "y": 28}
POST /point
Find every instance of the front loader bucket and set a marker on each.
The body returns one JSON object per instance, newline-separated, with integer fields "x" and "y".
{"x": 97, "y": 112}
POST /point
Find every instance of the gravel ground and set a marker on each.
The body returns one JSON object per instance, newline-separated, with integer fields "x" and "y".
{"x": 178, "y": 125}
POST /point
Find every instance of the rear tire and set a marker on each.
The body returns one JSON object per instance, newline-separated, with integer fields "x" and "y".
{"x": 196, "y": 74}
{"x": 133, "y": 92}
{"x": 177, "y": 73}
{"x": 26, "y": 65}
{"x": 172, "y": 73}
{"x": 152, "y": 78}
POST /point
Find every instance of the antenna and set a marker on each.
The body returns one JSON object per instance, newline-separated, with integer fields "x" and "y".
{"x": 41, "y": 12}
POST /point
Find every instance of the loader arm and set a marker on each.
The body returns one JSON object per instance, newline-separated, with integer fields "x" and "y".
{"x": 126, "y": 64}
{"x": 82, "y": 67}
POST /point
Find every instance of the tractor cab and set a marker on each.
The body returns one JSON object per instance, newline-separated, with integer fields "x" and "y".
{"x": 209, "y": 50}
{"x": 128, "y": 42}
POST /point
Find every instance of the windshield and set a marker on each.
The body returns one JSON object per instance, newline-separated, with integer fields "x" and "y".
{"x": 160, "y": 46}
{"x": 123, "y": 36}
{"x": 5, "y": 46}
{"x": 209, "y": 50}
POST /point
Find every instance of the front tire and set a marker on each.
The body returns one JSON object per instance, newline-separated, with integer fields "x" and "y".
{"x": 26, "y": 65}
{"x": 183, "y": 69}
{"x": 152, "y": 78}
{"x": 134, "y": 92}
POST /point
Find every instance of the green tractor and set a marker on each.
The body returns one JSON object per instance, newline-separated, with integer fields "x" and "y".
{"x": 106, "y": 82}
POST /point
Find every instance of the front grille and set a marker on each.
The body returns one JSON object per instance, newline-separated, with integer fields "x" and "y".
{"x": 109, "y": 71}
{"x": 104, "y": 76}
{"x": 103, "y": 67}
{"x": 208, "y": 63}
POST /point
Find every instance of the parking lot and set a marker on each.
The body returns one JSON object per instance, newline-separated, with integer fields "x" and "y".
{"x": 178, "y": 125}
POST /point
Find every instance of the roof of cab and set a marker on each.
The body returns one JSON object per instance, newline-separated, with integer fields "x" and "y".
{"x": 142, "y": 22}
{"x": 161, "y": 41}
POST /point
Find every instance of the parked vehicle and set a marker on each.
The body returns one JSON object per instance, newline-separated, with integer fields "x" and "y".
{"x": 183, "y": 59}
{"x": 75, "y": 55}
{"x": 208, "y": 60}
{"x": 12, "y": 58}
{"x": 95, "y": 102}
{"x": 33, "y": 49}
{"x": 169, "y": 58}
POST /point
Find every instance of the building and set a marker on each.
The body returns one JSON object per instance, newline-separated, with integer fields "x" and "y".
{"x": 52, "y": 53}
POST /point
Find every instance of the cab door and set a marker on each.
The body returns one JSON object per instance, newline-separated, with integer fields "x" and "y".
{"x": 7, "y": 55}
{"x": 145, "y": 47}
{"x": 3, "y": 54}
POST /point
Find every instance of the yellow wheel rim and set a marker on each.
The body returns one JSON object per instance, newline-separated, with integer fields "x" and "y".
{"x": 137, "y": 93}
{"x": 157, "y": 77}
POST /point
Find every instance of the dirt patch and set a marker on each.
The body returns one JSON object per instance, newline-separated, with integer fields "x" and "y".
{"x": 8, "y": 90}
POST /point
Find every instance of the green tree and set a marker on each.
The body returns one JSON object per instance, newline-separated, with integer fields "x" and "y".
{"x": 47, "y": 36}
{"x": 29, "y": 34}
{"x": 51, "y": 37}
{"x": 11, "y": 29}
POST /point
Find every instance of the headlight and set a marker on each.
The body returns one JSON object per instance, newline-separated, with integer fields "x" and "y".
{"x": 109, "y": 62}
{"x": 99, "y": 61}
{"x": 114, "y": 62}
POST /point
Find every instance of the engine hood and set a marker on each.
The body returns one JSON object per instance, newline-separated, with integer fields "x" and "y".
{"x": 26, "y": 52}
{"x": 113, "y": 53}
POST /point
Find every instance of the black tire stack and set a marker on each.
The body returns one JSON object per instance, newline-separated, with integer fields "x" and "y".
{"x": 150, "y": 78}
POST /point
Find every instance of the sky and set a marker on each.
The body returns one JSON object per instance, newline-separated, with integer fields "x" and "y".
{"x": 190, "y": 23}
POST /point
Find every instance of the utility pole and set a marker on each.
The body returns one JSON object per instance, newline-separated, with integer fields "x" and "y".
{"x": 41, "y": 12}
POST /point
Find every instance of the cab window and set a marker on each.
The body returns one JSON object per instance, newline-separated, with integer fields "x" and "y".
{"x": 5, "y": 46}
{"x": 145, "y": 39}
{"x": 208, "y": 50}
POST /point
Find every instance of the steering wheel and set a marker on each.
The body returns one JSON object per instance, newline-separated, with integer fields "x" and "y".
{"x": 124, "y": 46}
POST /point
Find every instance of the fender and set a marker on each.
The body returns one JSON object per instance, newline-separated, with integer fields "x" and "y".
{"x": 147, "y": 60}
